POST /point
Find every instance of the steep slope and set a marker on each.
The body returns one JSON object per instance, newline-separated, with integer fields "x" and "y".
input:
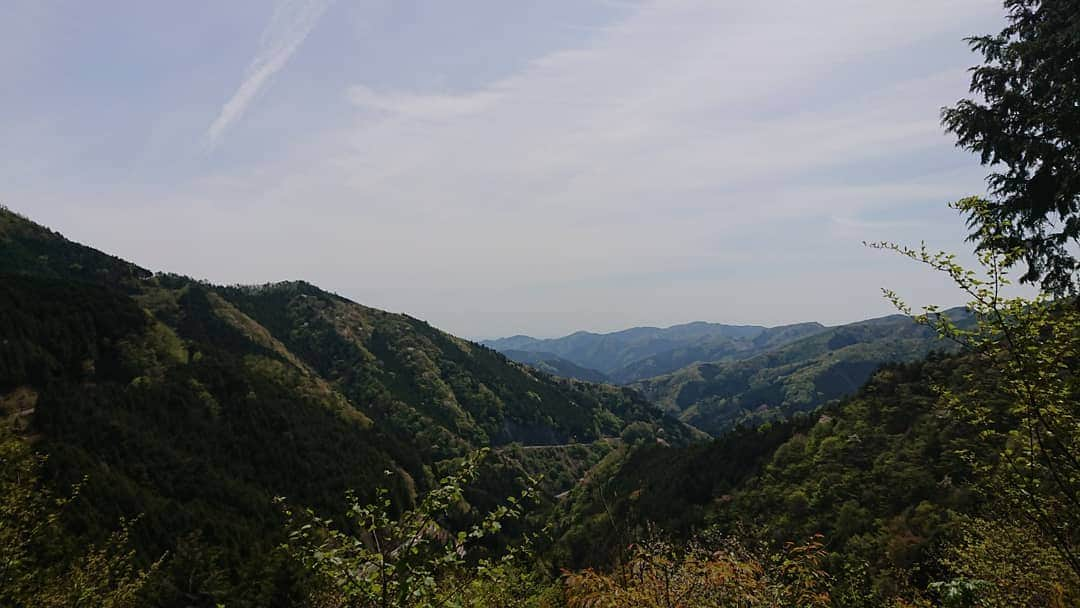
{"x": 799, "y": 376}
{"x": 194, "y": 428}
{"x": 642, "y": 352}
{"x": 443, "y": 393}
{"x": 881, "y": 475}
{"x": 193, "y": 405}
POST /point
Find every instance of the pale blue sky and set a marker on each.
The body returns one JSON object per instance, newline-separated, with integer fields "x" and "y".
{"x": 502, "y": 167}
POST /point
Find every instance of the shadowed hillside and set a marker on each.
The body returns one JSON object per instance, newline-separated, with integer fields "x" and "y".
{"x": 193, "y": 405}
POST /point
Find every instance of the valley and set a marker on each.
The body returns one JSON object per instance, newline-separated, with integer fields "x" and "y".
{"x": 191, "y": 406}
{"x": 715, "y": 377}
{"x": 278, "y": 410}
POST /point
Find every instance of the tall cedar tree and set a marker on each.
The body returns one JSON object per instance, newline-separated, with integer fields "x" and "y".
{"x": 1027, "y": 127}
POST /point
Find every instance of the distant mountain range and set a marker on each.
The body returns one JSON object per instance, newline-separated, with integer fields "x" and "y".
{"x": 794, "y": 377}
{"x": 714, "y": 376}
{"x": 642, "y": 352}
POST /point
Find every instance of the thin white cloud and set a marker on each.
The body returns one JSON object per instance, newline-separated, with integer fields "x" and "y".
{"x": 687, "y": 162}
{"x": 289, "y": 26}
{"x": 423, "y": 106}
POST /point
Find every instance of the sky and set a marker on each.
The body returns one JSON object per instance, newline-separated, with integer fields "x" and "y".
{"x": 503, "y": 167}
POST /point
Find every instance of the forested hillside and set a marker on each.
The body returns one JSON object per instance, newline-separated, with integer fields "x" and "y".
{"x": 187, "y": 408}
{"x": 796, "y": 377}
{"x": 642, "y": 352}
{"x": 190, "y": 406}
{"x": 171, "y": 443}
{"x": 716, "y": 376}
{"x": 881, "y": 475}
{"x": 949, "y": 481}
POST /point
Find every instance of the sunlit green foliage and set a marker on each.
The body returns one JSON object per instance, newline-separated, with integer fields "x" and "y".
{"x": 41, "y": 565}
{"x": 880, "y": 475}
{"x": 998, "y": 563}
{"x": 416, "y": 559}
{"x": 1025, "y": 394}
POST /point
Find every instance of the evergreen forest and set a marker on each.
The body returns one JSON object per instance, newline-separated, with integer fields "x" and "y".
{"x": 173, "y": 443}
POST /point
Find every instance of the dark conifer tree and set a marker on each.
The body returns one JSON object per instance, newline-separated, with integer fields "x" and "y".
{"x": 1024, "y": 122}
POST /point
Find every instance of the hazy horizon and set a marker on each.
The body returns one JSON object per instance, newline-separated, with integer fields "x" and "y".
{"x": 496, "y": 169}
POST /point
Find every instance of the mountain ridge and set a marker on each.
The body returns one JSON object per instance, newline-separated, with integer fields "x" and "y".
{"x": 191, "y": 406}
{"x": 639, "y": 352}
{"x": 795, "y": 377}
